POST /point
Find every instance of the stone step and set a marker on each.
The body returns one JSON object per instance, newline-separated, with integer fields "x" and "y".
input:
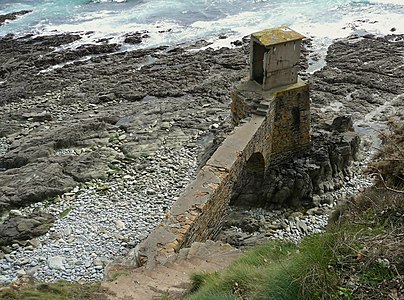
{"x": 183, "y": 254}
{"x": 260, "y": 112}
{"x": 172, "y": 278}
{"x": 264, "y": 105}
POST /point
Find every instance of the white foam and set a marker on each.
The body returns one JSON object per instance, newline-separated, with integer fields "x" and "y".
{"x": 232, "y": 18}
{"x": 394, "y": 2}
{"x": 108, "y": 1}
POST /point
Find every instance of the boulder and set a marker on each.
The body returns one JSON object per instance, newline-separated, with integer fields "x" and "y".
{"x": 342, "y": 124}
{"x": 22, "y": 228}
{"x": 32, "y": 183}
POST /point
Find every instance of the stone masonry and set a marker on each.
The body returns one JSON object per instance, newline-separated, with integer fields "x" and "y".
{"x": 272, "y": 120}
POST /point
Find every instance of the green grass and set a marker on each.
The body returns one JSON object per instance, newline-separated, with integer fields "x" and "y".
{"x": 274, "y": 270}
{"x": 388, "y": 164}
{"x": 64, "y": 213}
{"x": 114, "y": 276}
{"x": 323, "y": 265}
{"x": 60, "y": 290}
{"x": 164, "y": 297}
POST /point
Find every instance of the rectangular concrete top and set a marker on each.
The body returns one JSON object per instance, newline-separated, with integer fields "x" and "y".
{"x": 211, "y": 176}
{"x": 275, "y": 36}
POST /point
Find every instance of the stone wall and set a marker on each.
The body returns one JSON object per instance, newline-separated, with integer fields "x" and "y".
{"x": 291, "y": 129}
{"x": 301, "y": 180}
{"x": 197, "y": 215}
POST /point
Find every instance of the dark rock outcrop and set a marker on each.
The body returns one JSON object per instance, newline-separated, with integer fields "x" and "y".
{"x": 33, "y": 183}
{"x": 294, "y": 182}
{"x": 77, "y": 119}
{"x": 22, "y": 228}
{"x": 13, "y": 16}
{"x": 136, "y": 38}
{"x": 362, "y": 74}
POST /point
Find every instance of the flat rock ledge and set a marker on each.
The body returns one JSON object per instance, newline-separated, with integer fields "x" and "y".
{"x": 17, "y": 228}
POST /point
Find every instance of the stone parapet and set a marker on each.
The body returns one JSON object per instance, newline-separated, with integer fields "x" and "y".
{"x": 271, "y": 110}
{"x": 197, "y": 215}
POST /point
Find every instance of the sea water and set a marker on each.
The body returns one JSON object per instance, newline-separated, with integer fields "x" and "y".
{"x": 170, "y": 22}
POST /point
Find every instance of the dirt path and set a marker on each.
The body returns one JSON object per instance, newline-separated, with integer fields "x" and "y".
{"x": 171, "y": 279}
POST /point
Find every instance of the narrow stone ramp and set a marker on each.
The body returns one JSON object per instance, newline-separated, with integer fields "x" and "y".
{"x": 171, "y": 278}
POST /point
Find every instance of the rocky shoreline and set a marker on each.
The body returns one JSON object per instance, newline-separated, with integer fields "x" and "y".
{"x": 106, "y": 144}
{"x": 245, "y": 227}
{"x": 102, "y": 219}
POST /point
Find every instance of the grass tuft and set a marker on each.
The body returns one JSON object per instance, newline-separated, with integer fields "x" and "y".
{"x": 64, "y": 213}
{"x": 359, "y": 255}
{"x": 388, "y": 165}
{"x": 60, "y": 290}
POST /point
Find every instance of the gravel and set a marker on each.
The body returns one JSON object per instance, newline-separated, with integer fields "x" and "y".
{"x": 102, "y": 219}
{"x": 3, "y": 146}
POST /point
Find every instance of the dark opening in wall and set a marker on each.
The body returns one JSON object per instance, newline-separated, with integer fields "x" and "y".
{"x": 257, "y": 64}
{"x": 246, "y": 191}
{"x": 255, "y": 164}
{"x": 296, "y": 118}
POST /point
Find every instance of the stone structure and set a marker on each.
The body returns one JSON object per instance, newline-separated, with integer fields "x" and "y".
{"x": 272, "y": 117}
{"x": 274, "y": 57}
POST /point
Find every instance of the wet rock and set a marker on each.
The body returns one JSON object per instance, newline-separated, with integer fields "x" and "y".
{"x": 136, "y": 38}
{"x": 106, "y": 97}
{"x": 15, "y": 213}
{"x": 38, "y": 117}
{"x": 43, "y": 143}
{"x": 359, "y": 77}
{"x": 13, "y": 16}
{"x": 136, "y": 149}
{"x": 237, "y": 43}
{"x": 249, "y": 225}
{"x": 342, "y": 124}
{"x": 92, "y": 165}
{"x": 235, "y": 238}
